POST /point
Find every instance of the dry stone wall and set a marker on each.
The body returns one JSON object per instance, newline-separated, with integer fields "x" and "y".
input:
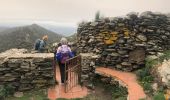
{"x": 123, "y": 43}
{"x": 25, "y": 71}
{"x": 88, "y": 69}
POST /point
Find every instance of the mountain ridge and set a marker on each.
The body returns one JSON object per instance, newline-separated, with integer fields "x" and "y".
{"x": 65, "y": 30}
{"x": 25, "y": 36}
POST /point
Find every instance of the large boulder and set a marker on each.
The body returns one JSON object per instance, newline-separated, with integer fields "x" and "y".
{"x": 164, "y": 73}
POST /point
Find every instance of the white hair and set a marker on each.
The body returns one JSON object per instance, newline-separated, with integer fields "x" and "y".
{"x": 63, "y": 41}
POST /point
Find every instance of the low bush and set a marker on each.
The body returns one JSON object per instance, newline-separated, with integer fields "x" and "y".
{"x": 166, "y": 55}
{"x": 159, "y": 96}
{"x": 118, "y": 92}
{"x": 145, "y": 77}
{"x": 6, "y": 90}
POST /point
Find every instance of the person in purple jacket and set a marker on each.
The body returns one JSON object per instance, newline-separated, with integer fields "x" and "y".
{"x": 63, "y": 53}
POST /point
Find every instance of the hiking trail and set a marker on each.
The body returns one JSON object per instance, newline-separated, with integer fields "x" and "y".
{"x": 135, "y": 91}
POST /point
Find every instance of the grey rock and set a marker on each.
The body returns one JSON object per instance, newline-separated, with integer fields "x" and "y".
{"x": 142, "y": 37}
{"x": 15, "y": 61}
{"x": 118, "y": 66}
{"x": 7, "y": 78}
{"x": 13, "y": 65}
{"x": 84, "y": 77}
{"x": 167, "y": 33}
{"x": 110, "y": 50}
{"x": 90, "y": 86}
{"x": 164, "y": 37}
{"x": 140, "y": 45}
{"x": 126, "y": 64}
{"x": 121, "y": 41}
{"x": 25, "y": 65}
{"x": 91, "y": 40}
{"x": 114, "y": 54}
{"x": 5, "y": 69}
{"x": 122, "y": 52}
{"x": 18, "y": 94}
{"x": 94, "y": 24}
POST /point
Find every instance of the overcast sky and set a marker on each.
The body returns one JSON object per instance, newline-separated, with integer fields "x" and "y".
{"x": 71, "y": 12}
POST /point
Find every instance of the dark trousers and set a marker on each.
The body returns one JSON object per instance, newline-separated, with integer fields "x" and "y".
{"x": 62, "y": 72}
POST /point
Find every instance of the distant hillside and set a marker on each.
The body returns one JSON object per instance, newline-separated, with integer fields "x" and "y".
{"x": 72, "y": 38}
{"x": 64, "y": 30}
{"x": 3, "y": 28}
{"x": 24, "y": 37}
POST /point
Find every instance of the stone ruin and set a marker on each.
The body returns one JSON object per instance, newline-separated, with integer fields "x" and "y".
{"x": 26, "y": 71}
{"x": 123, "y": 43}
{"x": 88, "y": 69}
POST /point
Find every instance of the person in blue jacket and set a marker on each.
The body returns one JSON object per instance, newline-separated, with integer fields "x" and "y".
{"x": 43, "y": 43}
{"x": 63, "y": 53}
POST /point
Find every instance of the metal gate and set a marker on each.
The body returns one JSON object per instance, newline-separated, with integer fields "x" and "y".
{"x": 72, "y": 73}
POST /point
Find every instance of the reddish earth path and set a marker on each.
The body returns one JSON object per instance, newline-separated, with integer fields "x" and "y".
{"x": 135, "y": 91}
{"x": 59, "y": 92}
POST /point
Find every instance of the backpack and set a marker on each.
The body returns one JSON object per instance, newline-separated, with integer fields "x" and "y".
{"x": 37, "y": 44}
{"x": 64, "y": 54}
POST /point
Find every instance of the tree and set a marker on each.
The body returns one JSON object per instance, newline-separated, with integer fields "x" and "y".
{"x": 97, "y": 15}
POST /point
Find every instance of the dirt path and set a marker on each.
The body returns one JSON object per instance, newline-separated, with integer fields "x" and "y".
{"x": 58, "y": 90}
{"x": 135, "y": 91}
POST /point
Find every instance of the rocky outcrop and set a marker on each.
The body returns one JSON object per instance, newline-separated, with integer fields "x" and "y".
{"x": 26, "y": 71}
{"x": 122, "y": 43}
{"x": 163, "y": 72}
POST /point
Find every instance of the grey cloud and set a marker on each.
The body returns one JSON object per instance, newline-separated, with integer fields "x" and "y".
{"x": 73, "y": 11}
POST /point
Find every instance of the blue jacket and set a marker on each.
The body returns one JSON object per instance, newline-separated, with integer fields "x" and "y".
{"x": 42, "y": 46}
{"x": 58, "y": 55}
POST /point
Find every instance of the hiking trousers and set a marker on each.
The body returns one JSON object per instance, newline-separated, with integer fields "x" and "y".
{"x": 62, "y": 72}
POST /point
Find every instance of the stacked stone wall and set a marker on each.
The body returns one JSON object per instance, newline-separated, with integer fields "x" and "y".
{"x": 123, "y": 43}
{"x": 88, "y": 69}
{"x": 26, "y": 71}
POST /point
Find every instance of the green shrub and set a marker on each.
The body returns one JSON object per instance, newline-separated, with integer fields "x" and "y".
{"x": 121, "y": 98}
{"x": 69, "y": 99}
{"x": 144, "y": 75}
{"x": 143, "y": 99}
{"x": 145, "y": 72}
{"x": 149, "y": 63}
{"x": 2, "y": 92}
{"x": 9, "y": 90}
{"x": 159, "y": 96}
{"x": 148, "y": 79}
{"x": 147, "y": 87}
{"x": 166, "y": 55}
{"x": 6, "y": 90}
{"x": 117, "y": 91}
{"x": 34, "y": 94}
